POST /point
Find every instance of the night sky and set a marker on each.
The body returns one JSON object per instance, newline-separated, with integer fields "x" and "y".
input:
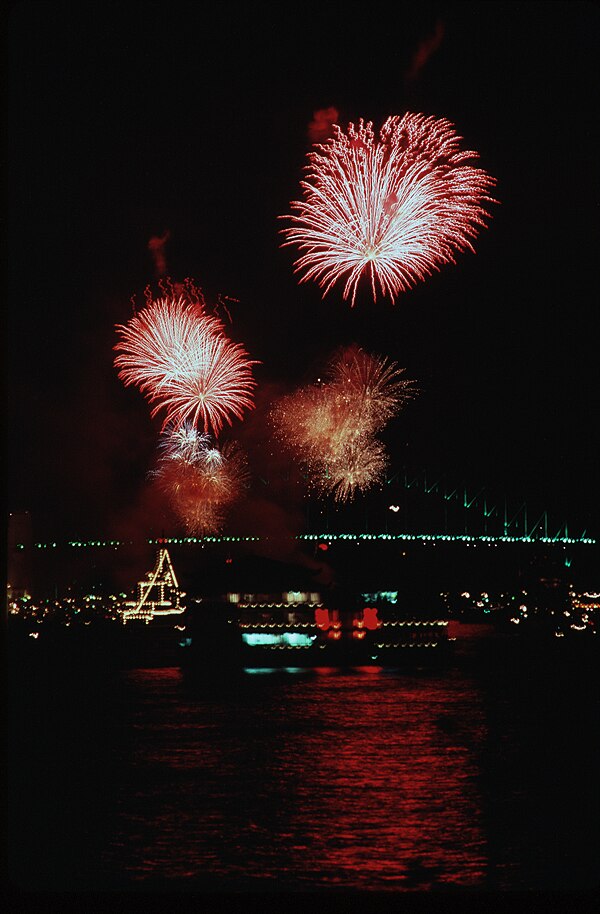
{"x": 128, "y": 120}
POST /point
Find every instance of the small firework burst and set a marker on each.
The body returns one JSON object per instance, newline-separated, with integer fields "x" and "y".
{"x": 357, "y": 467}
{"x": 394, "y": 210}
{"x": 184, "y": 442}
{"x": 181, "y": 359}
{"x": 201, "y": 480}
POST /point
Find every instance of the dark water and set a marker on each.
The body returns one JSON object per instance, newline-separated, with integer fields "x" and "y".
{"x": 479, "y": 776}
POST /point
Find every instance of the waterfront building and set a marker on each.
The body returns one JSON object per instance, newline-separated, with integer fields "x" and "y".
{"x": 19, "y": 569}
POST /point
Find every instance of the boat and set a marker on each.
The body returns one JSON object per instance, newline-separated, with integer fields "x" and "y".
{"x": 298, "y": 629}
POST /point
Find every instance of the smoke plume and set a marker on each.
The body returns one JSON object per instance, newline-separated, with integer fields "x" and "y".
{"x": 156, "y": 246}
{"x": 426, "y": 49}
{"x": 320, "y": 126}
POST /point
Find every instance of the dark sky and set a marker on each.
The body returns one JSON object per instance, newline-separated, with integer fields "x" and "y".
{"x": 125, "y": 120}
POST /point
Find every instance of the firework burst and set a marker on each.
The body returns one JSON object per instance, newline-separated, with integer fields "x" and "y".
{"x": 201, "y": 481}
{"x": 394, "y": 210}
{"x": 331, "y": 426}
{"x": 357, "y": 466}
{"x": 371, "y": 387}
{"x": 183, "y": 443}
{"x": 181, "y": 359}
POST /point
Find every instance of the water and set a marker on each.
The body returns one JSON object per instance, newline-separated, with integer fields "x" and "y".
{"x": 479, "y": 776}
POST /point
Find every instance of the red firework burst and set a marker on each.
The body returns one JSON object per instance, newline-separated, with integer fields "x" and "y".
{"x": 182, "y": 361}
{"x": 201, "y": 481}
{"x": 394, "y": 209}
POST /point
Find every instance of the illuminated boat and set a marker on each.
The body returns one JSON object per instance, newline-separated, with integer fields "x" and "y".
{"x": 298, "y": 629}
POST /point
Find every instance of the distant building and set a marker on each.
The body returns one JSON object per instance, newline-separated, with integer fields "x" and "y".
{"x": 19, "y": 559}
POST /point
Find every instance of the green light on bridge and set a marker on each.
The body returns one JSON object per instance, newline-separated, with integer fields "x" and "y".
{"x": 336, "y": 537}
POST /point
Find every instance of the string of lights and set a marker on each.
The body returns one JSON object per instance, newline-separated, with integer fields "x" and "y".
{"x": 328, "y": 538}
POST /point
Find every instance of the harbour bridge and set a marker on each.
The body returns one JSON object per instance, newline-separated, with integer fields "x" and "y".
{"x": 414, "y": 524}
{"x": 409, "y": 506}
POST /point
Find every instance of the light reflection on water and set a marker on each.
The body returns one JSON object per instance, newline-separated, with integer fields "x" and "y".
{"x": 367, "y": 779}
{"x": 480, "y": 775}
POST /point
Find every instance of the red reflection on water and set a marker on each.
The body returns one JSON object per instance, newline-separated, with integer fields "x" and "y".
{"x": 154, "y": 675}
{"x": 364, "y": 780}
{"x": 395, "y": 802}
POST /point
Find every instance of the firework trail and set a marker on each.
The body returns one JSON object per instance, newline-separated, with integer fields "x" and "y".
{"x": 181, "y": 359}
{"x": 331, "y": 426}
{"x": 394, "y": 210}
{"x": 201, "y": 481}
